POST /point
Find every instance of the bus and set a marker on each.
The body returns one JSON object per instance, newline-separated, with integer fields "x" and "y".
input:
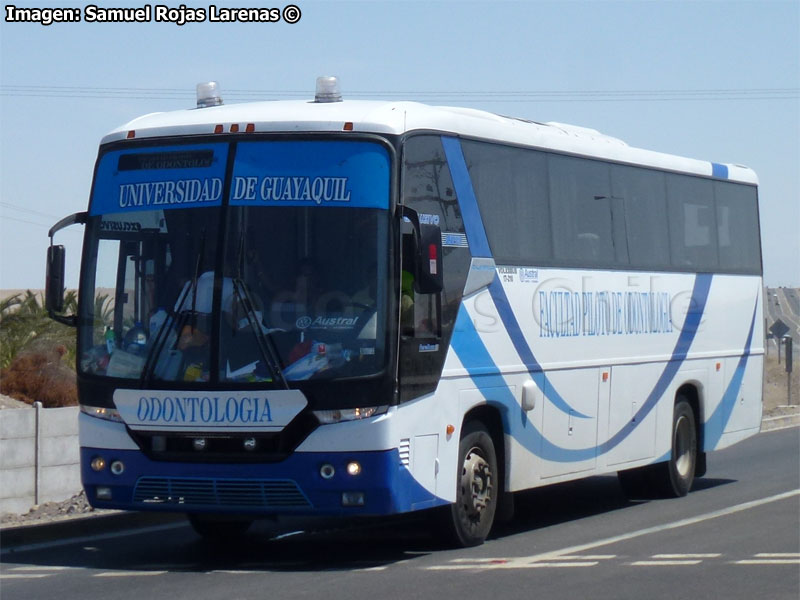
{"x": 365, "y": 308}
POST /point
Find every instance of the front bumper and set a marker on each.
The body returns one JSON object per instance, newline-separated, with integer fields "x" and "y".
{"x": 293, "y": 486}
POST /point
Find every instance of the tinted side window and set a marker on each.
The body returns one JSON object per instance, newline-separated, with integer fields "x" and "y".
{"x": 510, "y": 185}
{"x": 581, "y": 212}
{"x": 692, "y": 223}
{"x": 643, "y": 195}
{"x": 427, "y": 187}
{"x": 737, "y": 228}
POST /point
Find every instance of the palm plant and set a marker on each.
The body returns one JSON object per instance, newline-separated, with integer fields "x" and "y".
{"x": 26, "y": 325}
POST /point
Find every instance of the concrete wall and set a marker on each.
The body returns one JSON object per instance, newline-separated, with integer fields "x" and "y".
{"x": 39, "y": 456}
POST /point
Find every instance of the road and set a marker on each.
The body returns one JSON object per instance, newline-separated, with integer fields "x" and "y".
{"x": 736, "y": 536}
{"x": 784, "y": 304}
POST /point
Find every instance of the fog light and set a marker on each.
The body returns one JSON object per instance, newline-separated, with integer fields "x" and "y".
{"x": 117, "y": 468}
{"x": 199, "y": 444}
{"x": 327, "y": 471}
{"x": 250, "y": 444}
{"x": 98, "y": 463}
{"x": 353, "y": 468}
{"x": 103, "y": 493}
{"x": 352, "y": 498}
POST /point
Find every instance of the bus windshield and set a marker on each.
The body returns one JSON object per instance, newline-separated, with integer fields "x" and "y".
{"x": 238, "y": 290}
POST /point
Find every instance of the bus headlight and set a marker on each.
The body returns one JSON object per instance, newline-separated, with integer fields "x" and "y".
{"x": 353, "y": 468}
{"x": 98, "y": 463}
{"x": 99, "y": 412}
{"x": 339, "y": 415}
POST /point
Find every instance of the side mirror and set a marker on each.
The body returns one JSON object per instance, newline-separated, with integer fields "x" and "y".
{"x": 54, "y": 283}
{"x": 427, "y": 253}
{"x": 429, "y": 279}
{"x": 54, "y": 278}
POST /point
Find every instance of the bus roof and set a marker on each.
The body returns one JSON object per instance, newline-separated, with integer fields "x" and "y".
{"x": 382, "y": 117}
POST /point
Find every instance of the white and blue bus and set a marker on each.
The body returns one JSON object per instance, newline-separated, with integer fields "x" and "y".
{"x": 353, "y": 308}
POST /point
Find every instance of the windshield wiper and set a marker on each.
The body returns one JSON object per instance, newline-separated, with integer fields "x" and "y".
{"x": 266, "y": 344}
{"x": 157, "y": 344}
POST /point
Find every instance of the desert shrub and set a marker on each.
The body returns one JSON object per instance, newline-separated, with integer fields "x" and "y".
{"x": 40, "y": 375}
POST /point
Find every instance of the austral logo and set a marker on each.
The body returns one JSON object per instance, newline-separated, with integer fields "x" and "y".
{"x": 203, "y": 410}
{"x": 291, "y": 189}
{"x": 326, "y": 322}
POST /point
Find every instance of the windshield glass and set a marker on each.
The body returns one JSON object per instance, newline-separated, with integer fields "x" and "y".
{"x": 311, "y": 280}
{"x": 292, "y": 288}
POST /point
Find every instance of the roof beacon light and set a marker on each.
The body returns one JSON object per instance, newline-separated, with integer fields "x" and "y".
{"x": 328, "y": 90}
{"x": 208, "y": 94}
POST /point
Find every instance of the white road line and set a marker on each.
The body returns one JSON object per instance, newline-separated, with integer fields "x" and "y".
{"x": 237, "y": 572}
{"x": 32, "y": 568}
{"x": 513, "y": 564}
{"x": 667, "y": 526}
{"x": 130, "y": 574}
{"x": 778, "y": 555}
{"x": 665, "y": 563}
{"x": 769, "y": 561}
{"x": 540, "y": 559}
{"x": 3, "y": 577}
{"x": 685, "y": 556}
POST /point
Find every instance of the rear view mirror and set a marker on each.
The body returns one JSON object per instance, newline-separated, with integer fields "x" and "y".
{"x": 54, "y": 283}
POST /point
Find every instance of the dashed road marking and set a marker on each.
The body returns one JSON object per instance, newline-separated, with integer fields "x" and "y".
{"x": 130, "y": 573}
{"x": 5, "y": 576}
{"x": 665, "y": 563}
{"x": 523, "y": 562}
{"x": 686, "y": 556}
{"x": 37, "y": 568}
{"x": 772, "y": 558}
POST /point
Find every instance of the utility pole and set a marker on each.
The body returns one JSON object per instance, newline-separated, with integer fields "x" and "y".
{"x": 788, "y": 341}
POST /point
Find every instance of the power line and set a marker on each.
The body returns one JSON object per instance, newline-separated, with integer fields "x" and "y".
{"x": 28, "y": 210}
{"x": 647, "y": 95}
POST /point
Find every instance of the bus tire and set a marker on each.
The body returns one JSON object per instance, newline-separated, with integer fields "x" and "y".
{"x": 675, "y": 477}
{"x": 219, "y": 528}
{"x": 477, "y": 488}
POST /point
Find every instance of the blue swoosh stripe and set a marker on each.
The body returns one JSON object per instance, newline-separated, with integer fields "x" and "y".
{"x": 523, "y": 349}
{"x": 472, "y": 353}
{"x": 716, "y": 423}
{"x": 479, "y": 247}
{"x": 476, "y": 235}
{"x": 702, "y": 285}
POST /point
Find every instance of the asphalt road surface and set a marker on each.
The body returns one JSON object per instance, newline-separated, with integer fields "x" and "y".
{"x": 735, "y": 536}
{"x": 784, "y": 304}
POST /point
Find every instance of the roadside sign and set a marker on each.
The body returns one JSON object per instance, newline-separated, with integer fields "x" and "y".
{"x": 779, "y": 329}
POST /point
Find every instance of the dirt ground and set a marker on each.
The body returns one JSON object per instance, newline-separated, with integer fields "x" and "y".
{"x": 776, "y": 379}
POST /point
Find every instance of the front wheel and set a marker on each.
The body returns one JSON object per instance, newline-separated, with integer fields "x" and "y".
{"x": 472, "y": 514}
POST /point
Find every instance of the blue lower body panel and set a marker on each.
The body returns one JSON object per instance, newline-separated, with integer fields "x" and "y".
{"x": 293, "y": 486}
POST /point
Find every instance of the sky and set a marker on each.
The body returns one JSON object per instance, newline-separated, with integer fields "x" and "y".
{"x": 714, "y": 80}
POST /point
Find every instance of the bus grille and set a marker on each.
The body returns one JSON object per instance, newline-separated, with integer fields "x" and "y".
{"x": 239, "y": 493}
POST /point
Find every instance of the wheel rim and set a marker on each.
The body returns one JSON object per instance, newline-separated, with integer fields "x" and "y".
{"x": 476, "y": 483}
{"x": 683, "y": 446}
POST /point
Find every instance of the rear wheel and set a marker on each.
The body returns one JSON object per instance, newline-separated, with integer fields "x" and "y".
{"x": 472, "y": 515}
{"x": 675, "y": 477}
